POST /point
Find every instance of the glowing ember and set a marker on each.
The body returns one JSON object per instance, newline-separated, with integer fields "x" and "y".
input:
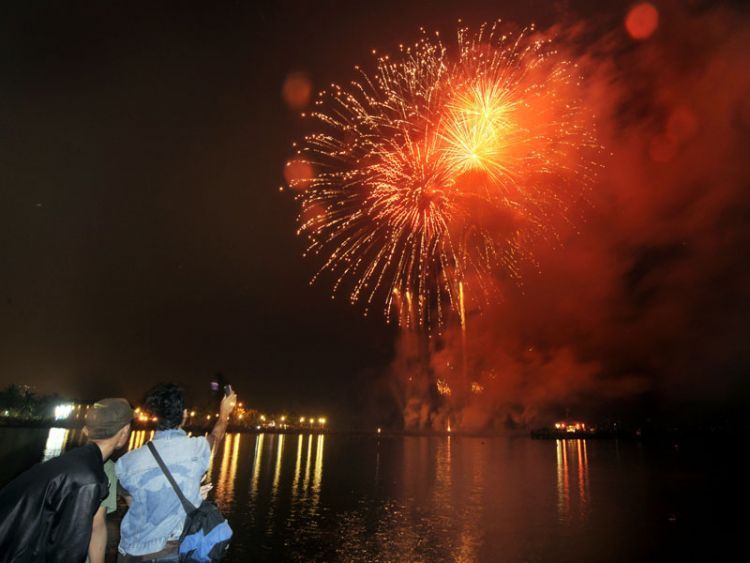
{"x": 476, "y": 388}
{"x": 443, "y": 388}
{"x": 442, "y": 166}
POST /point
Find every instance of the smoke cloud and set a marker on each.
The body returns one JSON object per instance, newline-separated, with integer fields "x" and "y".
{"x": 647, "y": 293}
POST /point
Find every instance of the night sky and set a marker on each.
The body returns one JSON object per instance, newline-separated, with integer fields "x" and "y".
{"x": 143, "y": 237}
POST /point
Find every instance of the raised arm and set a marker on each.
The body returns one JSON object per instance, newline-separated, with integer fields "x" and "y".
{"x": 220, "y": 428}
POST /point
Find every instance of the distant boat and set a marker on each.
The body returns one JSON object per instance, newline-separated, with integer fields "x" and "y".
{"x": 568, "y": 429}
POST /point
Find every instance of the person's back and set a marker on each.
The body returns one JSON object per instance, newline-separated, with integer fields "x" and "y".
{"x": 40, "y": 510}
{"x": 46, "y": 513}
{"x": 153, "y": 524}
{"x": 156, "y": 516}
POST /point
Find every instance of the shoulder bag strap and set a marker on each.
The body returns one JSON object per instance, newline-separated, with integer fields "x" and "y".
{"x": 186, "y": 504}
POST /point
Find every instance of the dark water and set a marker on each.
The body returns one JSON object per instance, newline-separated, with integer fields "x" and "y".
{"x": 364, "y": 498}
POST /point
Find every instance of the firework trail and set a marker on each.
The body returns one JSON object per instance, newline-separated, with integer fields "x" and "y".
{"x": 440, "y": 170}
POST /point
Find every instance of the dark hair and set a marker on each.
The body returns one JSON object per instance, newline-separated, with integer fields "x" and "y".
{"x": 167, "y": 402}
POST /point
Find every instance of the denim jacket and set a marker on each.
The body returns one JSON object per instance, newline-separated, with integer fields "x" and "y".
{"x": 156, "y": 515}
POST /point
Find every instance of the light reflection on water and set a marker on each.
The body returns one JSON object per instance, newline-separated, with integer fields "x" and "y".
{"x": 436, "y": 504}
{"x": 138, "y": 438}
{"x": 572, "y": 463}
{"x": 56, "y": 442}
{"x": 277, "y": 470}
{"x": 256, "y": 465}
{"x": 225, "y": 481}
{"x": 338, "y": 497}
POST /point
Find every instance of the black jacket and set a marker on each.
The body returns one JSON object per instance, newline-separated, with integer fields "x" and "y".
{"x": 46, "y": 512}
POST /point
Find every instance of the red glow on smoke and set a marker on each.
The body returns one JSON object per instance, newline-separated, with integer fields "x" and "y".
{"x": 648, "y": 295}
{"x": 297, "y": 90}
{"x": 298, "y": 174}
{"x": 642, "y": 21}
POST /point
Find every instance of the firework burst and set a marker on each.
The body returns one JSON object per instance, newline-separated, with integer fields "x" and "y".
{"x": 439, "y": 168}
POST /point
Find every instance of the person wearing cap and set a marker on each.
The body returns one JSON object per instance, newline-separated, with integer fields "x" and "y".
{"x": 47, "y": 512}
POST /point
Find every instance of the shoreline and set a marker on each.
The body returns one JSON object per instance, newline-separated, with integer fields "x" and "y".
{"x": 669, "y": 434}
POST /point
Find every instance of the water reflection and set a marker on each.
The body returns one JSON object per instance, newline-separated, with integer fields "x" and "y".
{"x": 583, "y": 475}
{"x": 438, "y": 490}
{"x": 436, "y": 507}
{"x": 227, "y": 474}
{"x": 430, "y": 498}
{"x": 297, "y": 467}
{"x": 572, "y": 461}
{"x": 303, "y": 497}
{"x": 138, "y": 438}
{"x": 318, "y": 475}
{"x": 277, "y": 470}
{"x": 307, "y": 466}
{"x": 62, "y": 439}
{"x": 256, "y": 466}
{"x": 302, "y": 487}
{"x": 474, "y": 490}
{"x": 57, "y": 439}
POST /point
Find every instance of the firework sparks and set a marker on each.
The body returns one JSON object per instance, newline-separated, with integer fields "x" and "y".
{"x": 439, "y": 167}
{"x": 443, "y": 388}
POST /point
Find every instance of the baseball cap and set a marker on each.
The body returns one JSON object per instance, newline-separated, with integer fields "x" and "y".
{"x": 105, "y": 417}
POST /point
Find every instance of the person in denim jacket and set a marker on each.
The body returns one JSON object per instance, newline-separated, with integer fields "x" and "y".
{"x": 152, "y": 526}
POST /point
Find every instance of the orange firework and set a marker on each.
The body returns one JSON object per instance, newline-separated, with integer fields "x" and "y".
{"x": 441, "y": 168}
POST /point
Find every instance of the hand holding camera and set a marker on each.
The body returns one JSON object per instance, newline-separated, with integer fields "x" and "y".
{"x": 228, "y": 402}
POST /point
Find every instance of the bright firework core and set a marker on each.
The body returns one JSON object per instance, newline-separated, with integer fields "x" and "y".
{"x": 442, "y": 171}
